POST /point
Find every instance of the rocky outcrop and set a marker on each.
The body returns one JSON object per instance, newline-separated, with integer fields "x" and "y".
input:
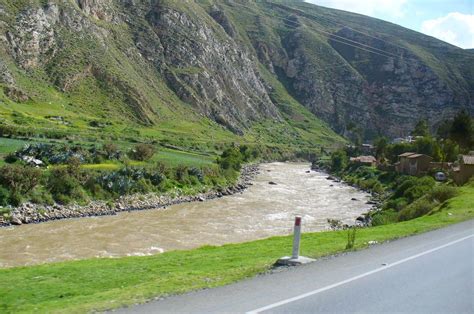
{"x": 32, "y": 38}
{"x": 234, "y": 97}
{"x": 235, "y": 64}
{"x": 99, "y": 9}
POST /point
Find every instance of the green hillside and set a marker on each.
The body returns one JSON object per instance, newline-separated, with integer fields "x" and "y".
{"x": 206, "y": 72}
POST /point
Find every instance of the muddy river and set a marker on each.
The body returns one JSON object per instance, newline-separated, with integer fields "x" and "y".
{"x": 261, "y": 211}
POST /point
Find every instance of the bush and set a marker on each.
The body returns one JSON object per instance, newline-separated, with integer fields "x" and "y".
{"x": 398, "y": 204}
{"x": 64, "y": 187}
{"x": 15, "y": 199}
{"x": 19, "y": 179}
{"x": 442, "y": 193}
{"x": 415, "y": 192}
{"x": 351, "y": 237}
{"x": 142, "y": 152}
{"x": 413, "y": 188}
{"x": 111, "y": 151}
{"x": 419, "y": 208}
{"x": 39, "y": 196}
{"x": 11, "y": 158}
{"x": 404, "y": 184}
{"x": 384, "y": 217}
{"x": 4, "y": 196}
{"x": 231, "y": 158}
{"x": 339, "y": 160}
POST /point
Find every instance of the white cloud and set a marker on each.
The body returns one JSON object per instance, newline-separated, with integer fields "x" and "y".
{"x": 393, "y": 8}
{"x": 455, "y": 28}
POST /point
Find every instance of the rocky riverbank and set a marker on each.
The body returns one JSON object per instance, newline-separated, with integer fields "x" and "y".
{"x": 375, "y": 201}
{"x": 33, "y": 213}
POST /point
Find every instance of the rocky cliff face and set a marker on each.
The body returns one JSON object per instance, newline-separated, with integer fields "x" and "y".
{"x": 152, "y": 60}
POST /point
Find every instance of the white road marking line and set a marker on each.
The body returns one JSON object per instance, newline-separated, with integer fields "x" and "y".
{"x": 305, "y": 295}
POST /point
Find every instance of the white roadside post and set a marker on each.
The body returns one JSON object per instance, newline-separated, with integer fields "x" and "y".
{"x": 295, "y": 258}
{"x": 296, "y": 238}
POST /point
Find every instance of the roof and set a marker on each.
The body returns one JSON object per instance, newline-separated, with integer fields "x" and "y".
{"x": 405, "y": 154}
{"x": 468, "y": 159}
{"x": 418, "y": 156}
{"x": 364, "y": 159}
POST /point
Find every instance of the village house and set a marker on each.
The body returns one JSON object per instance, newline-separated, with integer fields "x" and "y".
{"x": 367, "y": 149}
{"x": 370, "y": 161}
{"x": 465, "y": 171}
{"x": 413, "y": 164}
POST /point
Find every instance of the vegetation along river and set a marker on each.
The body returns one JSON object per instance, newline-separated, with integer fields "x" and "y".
{"x": 262, "y": 210}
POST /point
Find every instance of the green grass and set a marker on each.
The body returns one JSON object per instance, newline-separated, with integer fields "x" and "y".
{"x": 99, "y": 284}
{"x": 174, "y": 158}
{"x": 103, "y": 166}
{"x": 8, "y": 145}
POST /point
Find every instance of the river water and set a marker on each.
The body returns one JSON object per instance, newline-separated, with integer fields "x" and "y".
{"x": 261, "y": 211}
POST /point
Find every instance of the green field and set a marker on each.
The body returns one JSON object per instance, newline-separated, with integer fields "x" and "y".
{"x": 100, "y": 284}
{"x": 174, "y": 158}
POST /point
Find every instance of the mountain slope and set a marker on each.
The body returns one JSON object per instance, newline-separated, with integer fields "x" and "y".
{"x": 216, "y": 70}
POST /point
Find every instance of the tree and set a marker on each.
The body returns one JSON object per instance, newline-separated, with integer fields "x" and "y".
{"x": 428, "y": 146}
{"x": 462, "y": 130}
{"x": 338, "y": 160}
{"x": 443, "y": 129}
{"x": 421, "y": 128}
{"x": 449, "y": 150}
{"x": 381, "y": 144}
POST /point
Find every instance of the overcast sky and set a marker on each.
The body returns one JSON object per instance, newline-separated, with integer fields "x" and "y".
{"x": 451, "y": 21}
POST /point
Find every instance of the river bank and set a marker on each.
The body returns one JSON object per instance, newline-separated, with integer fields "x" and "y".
{"x": 375, "y": 200}
{"x": 29, "y": 213}
{"x": 263, "y": 210}
{"x": 102, "y": 284}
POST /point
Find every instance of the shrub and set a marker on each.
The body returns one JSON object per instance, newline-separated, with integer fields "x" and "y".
{"x": 196, "y": 172}
{"x": 231, "y": 158}
{"x": 412, "y": 188}
{"x": 339, "y": 160}
{"x": 384, "y": 217}
{"x": 11, "y": 158}
{"x": 64, "y": 187}
{"x": 334, "y": 224}
{"x": 416, "y": 192}
{"x": 351, "y": 237}
{"x": 182, "y": 174}
{"x": 404, "y": 184}
{"x": 142, "y": 152}
{"x": 398, "y": 204}
{"x": 111, "y": 151}
{"x": 4, "y": 196}
{"x": 442, "y": 193}
{"x": 19, "y": 179}
{"x": 15, "y": 199}
{"x": 419, "y": 208}
{"x": 143, "y": 186}
{"x": 40, "y": 196}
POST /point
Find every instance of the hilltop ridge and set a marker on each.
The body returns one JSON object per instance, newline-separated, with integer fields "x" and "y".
{"x": 276, "y": 71}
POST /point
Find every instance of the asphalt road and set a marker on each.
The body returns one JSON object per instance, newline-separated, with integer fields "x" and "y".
{"x": 428, "y": 273}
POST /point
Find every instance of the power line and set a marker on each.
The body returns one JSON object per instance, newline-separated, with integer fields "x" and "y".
{"x": 341, "y": 37}
{"x": 333, "y": 21}
{"x": 333, "y": 39}
{"x": 330, "y": 66}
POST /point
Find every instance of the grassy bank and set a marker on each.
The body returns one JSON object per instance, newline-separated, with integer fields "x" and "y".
{"x": 99, "y": 284}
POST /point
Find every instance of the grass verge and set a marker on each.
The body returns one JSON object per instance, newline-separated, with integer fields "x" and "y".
{"x": 99, "y": 284}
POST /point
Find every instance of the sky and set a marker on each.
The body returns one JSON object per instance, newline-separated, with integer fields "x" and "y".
{"x": 451, "y": 21}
